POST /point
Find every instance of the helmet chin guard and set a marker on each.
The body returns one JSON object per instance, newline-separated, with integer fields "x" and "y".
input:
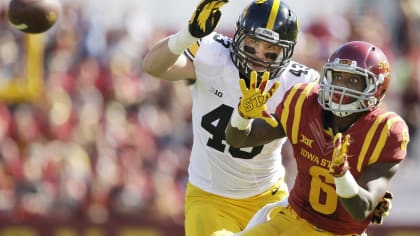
{"x": 342, "y": 101}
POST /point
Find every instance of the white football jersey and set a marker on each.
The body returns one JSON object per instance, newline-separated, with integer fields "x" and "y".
{"x": 215, "y": 166}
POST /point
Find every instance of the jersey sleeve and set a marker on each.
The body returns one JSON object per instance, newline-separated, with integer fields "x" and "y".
{"x": 209, "y": 55}
{"x": 395, "y": 137}
{"x": 289, "y": 112}
{"x": 208, "y": 48}
{"x": 191, "y": 51}
{"x": 313, "y": 76}
{"x": 383, "y": 137}
{"x": 295, "y": 73}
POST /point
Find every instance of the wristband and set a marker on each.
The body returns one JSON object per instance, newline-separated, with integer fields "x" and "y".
{"x": 180, "y": 41}
{"x": 346, "y": 186}
{"x": 237, "y": 121}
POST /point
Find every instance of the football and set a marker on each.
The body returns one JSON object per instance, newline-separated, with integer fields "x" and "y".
{"x": 33, "y": 16}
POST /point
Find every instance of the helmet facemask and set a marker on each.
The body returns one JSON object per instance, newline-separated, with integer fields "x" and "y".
{"x": 342, "y": 101}
{"x": 244, "y": 59}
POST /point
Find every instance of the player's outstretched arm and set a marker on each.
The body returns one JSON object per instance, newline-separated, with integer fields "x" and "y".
{"x": 360, "y": 198}
{"x": 165, "y": 59}
{"x": 251, "y": 124}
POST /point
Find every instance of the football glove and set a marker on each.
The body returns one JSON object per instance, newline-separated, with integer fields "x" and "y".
{"x": 339, "y": 164}
{"x": 265, "y": 213}
{"x": 205, "y": 18}
{"x": 382, "y": 209}
{"x": 253, "y": 101}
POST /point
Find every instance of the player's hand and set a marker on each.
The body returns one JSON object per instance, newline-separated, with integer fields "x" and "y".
{"x": 382, "y": 209}
{"x": 339, "y": 164}
{"x": 253, "y": 100}
{"x": 266, "y": 212}
{"x": 205, "y": 18}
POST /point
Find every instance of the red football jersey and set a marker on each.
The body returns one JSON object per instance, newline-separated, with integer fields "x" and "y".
{"x": 378, "y": 136}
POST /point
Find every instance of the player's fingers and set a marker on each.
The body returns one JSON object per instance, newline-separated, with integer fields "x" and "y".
{"x": 264, "y": 80}
{"x": 262, "y": 86}
{"x": 253, "y": 80}
{"x": 337, "y": 140}
{"x": 271, "y": 121}
{"x": 216, "y": 16}
{"x": 218, "y": 4}
{"x": 212, "y": 4}
{"x": 266, "y": 76}
{"x": 388, "y": 201}
{"x": 267, "y": 117}
{"x": 346, "y": 144}
{"x": 272, "y": 90}
{"x": 388, "y": 195}
{"x": 242, "y": 84}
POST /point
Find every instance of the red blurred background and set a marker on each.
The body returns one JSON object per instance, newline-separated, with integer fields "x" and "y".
{"x": 91, "y": 145}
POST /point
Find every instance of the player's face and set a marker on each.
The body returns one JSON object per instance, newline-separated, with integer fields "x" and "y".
{"x": 349, "y": 81}
{"x": 261, "y": 50}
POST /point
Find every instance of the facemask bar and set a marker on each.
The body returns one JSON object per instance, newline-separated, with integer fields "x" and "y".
{"x": 335, "y": 98}
{"x": 242, "y": 59}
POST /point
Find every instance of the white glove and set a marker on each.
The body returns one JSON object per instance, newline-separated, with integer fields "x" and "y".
{"x": 263, "y": 215}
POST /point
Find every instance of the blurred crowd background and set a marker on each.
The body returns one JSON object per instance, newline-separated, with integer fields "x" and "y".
{"x": 103, "y": 139}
